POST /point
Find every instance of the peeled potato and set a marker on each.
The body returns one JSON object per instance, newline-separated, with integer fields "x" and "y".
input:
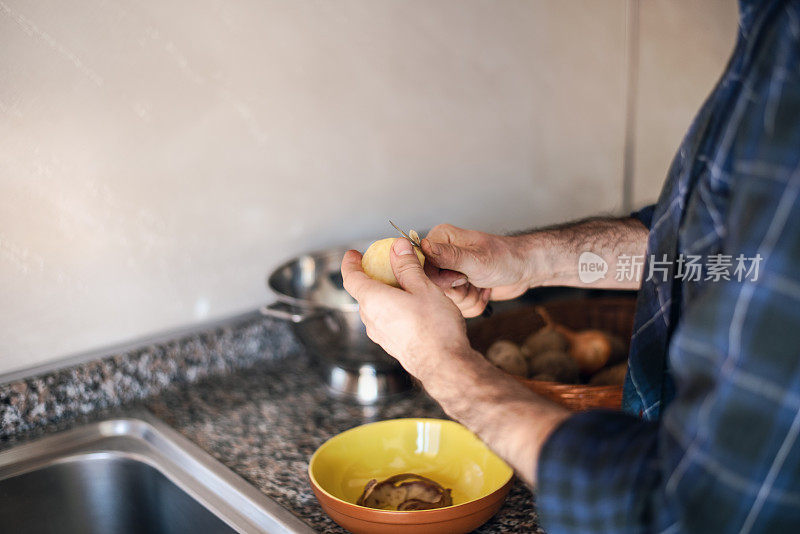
{"x": 377, "y": 265}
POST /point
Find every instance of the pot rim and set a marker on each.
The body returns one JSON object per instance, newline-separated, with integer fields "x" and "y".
{"x": 306, "y": 303}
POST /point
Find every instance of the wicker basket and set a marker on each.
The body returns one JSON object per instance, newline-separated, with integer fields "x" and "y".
{"x": 612, "y": 314}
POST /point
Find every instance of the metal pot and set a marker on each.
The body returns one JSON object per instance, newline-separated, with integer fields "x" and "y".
{"x": 325, "y": 318}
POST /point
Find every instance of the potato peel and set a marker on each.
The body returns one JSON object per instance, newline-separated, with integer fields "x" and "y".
{"x": 405, "y": 491}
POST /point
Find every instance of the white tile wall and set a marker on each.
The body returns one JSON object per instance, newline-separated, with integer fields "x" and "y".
{"x": 684, "y": 46}
{"x": 157, "y": 158}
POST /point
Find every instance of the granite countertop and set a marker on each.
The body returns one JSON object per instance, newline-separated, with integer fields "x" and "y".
{"x": 243, "y": 390}
{"x": 264, "y": 422}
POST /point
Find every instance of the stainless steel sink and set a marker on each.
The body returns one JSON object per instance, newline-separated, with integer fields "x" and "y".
{"x": 129, "y": 475}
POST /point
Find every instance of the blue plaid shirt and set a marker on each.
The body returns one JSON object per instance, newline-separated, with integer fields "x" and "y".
{"x": 709, "y": 442}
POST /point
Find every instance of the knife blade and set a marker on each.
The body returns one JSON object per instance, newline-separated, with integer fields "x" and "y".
{"x": 487, "y": 311}
{"x": 413, "y": 242}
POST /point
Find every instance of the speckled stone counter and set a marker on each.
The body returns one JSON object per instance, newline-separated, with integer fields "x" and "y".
{"x": 266, "y": 421}
{"x": 244, "y": 391}
{"x": 54, "y": 398}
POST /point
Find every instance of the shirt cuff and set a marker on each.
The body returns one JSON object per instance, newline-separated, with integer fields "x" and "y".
{"x": 645, "y": 215}
{"x": 596, "y": 473}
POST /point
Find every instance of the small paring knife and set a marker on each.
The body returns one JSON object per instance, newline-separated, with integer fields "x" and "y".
{"x": 416, "y": 242}
{"x": 487, "y": 311}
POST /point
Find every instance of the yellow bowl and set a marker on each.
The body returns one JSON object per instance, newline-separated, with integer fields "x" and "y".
{"x": 444, "y": 451}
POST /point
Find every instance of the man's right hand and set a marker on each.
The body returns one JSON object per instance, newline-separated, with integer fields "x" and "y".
{"x": 472, "y": 267}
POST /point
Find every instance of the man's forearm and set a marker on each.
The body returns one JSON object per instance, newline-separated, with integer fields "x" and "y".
{"x": 553, "y": 253}
{"x": 511, "y": 419}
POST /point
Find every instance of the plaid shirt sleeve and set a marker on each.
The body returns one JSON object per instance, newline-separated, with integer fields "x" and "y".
{"x": 596, "y": 472}
{"x": 724, "y": 455}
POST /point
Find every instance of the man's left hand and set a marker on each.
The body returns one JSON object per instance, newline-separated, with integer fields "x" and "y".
{"x": 421, "y": 327}
{"x": 417, "y": 324}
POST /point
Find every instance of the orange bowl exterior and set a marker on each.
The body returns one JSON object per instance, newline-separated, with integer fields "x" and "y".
{"x": 457, "y": 519}
{"x": 442, "y": 449}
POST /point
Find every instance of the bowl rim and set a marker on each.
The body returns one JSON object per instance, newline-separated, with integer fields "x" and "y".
{"x": 387, "y": 514}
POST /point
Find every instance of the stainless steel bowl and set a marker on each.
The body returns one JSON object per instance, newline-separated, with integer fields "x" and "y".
{"x": 325, "y": 318}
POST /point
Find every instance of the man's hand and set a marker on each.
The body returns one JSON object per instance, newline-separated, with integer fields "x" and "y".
{"x": 421, "y": 324}
{"x": 417, "y": 324}
{"x": 421, "y": 327}
{"x": 472, "y": 267}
